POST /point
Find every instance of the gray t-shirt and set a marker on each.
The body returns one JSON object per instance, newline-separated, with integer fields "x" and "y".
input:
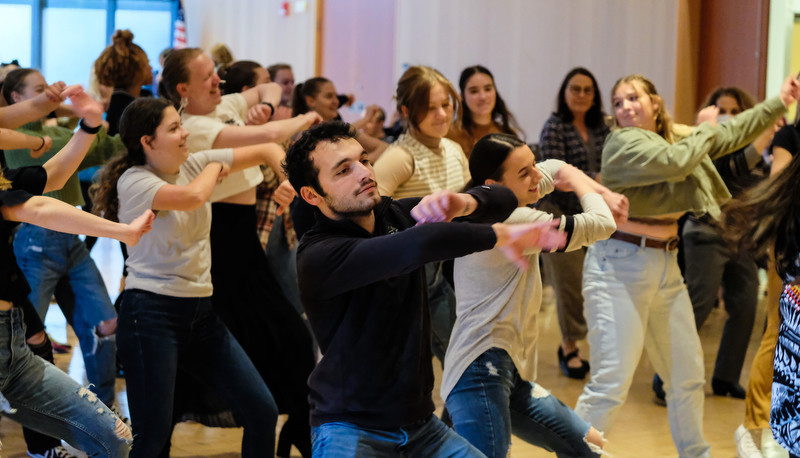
{"x": 174, "y": 258}
{"x": 497, "y": 303}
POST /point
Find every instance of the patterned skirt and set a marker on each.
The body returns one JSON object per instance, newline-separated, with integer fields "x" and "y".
{"x": 785, "y": 411}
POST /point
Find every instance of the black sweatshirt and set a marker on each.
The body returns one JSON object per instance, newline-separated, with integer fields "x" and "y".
{"x": 366, "y": 299}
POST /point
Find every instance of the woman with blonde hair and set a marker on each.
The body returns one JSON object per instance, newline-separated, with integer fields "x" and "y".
{"x": 634, "y": 294}
{"x": 422, "y": 161}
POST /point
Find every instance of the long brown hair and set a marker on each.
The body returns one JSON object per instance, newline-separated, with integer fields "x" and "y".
{"x": 663, "y": 119}
{"x": 414, "y": 92}
{"x": 766, "y": 215}
{"x": 500, "y": 114}
{"x": 142, "y": 117}
{"x": 743, "y": 99}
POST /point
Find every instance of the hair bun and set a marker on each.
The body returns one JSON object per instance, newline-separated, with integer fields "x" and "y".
{"x": 122, "y": 37}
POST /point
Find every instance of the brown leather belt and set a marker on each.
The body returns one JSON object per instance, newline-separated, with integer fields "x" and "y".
{"x": 660, "y": 244}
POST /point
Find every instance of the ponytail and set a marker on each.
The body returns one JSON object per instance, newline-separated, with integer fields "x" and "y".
{"x": 142, "y": 117}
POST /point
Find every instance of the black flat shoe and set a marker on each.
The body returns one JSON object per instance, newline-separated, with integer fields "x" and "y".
{"x": 658, "y": 391}
{"x": 723, "y": 388}
{"x": 572, "y": 372}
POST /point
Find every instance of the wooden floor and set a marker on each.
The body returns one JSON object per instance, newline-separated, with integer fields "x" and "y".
{"x": 642, "y": 429}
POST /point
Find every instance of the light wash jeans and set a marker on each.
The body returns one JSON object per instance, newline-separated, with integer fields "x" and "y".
{"x": 634, "y": 299}
{"x": 47, "y": 257}
{"x": 428, "y": 438}
{"x": 490, "y": 401}
{"x": 46, "y": 399}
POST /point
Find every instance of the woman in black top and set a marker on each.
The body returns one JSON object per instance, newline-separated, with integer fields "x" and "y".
{"x": 34, "y": 392}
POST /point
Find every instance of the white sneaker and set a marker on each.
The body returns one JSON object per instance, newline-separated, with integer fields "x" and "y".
{"x": 745, "y": 445}
{"x": 55, "y": 452}
{"x": 770, "y": 448}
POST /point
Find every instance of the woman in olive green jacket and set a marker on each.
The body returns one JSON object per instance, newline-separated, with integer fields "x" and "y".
{"x": 634, "y": 294}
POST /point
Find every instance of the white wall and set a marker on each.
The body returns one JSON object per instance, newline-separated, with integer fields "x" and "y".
{"x": 529, "y": 45}
{"x": 779, "y": 43}
{"x": 255, "y": 30}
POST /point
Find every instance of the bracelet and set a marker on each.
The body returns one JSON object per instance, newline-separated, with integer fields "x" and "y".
{"x": 270, "y": 107}
{"x": 90, "y": 130}
{"x": 40, "y": 146}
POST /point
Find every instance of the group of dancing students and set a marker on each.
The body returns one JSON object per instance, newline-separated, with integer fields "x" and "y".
{"x": 208, "y": 328}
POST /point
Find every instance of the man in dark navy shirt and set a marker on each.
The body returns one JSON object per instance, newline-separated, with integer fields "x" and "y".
{"x": 362, "y": 283}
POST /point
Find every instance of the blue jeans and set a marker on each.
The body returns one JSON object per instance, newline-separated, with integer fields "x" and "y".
{"x": 47, "y": 257}
{"x": 635, "y": 299}
{"x": 157, "y": 334}
{"x": 46, "y": 399}
{"x": 490, "y": 401}
{"x": 428, "y": 438}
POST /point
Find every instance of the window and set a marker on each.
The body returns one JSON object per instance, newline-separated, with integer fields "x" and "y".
{"x": 68, "y": 56}
{"x": 17, "y": 30}
{"x": 64, "y": 37}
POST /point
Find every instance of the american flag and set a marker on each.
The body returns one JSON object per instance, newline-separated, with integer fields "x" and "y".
{"x": 179, "y": 40}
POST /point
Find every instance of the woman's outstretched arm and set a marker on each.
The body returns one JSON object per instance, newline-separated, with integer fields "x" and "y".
{"x": 59, "y": 216}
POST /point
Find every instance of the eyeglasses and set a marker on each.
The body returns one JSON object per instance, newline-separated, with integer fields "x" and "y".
{"x": 576, "y": 90}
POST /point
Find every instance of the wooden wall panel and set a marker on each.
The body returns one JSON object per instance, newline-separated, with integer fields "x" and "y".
{"x": 732, "y": 46}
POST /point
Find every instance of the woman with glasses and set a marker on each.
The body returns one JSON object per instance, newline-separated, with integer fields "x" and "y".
{"x": 574, "y": 133}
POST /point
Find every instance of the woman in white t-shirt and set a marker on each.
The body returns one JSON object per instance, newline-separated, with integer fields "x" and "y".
{"x": 166, "y": 318}
{"x": 247, "y": 295}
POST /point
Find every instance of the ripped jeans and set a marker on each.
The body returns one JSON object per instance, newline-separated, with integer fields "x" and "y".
{"x": 43, "y": 397}
{"x": 50, "y": 259}
{"x": 491, "y": 400}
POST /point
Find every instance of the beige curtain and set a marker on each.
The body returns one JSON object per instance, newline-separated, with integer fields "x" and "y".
{"x": 255, "y": 30}
{"x": 529, "y": 45}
